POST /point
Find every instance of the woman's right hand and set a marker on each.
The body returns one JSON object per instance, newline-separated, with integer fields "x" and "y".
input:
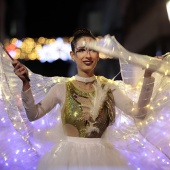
{"x": 20, "y": 70}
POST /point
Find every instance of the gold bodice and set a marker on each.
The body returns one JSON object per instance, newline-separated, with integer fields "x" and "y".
{"x": 77, "y": 109}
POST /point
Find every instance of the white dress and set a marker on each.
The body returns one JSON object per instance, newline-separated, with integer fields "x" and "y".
{"x": 91, "y": 149}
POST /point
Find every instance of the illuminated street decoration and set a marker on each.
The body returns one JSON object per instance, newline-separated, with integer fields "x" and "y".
{"x": 42, "y": 49}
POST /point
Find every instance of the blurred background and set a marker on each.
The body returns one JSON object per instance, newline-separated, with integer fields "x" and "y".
{"x": 39, "y": 32}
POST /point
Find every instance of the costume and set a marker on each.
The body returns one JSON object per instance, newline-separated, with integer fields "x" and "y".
{"x": 126, "y": 143}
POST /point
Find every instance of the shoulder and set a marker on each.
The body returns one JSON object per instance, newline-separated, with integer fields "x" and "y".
{"x": 58, "y": 87}
{"x": 58, "y": 91}
{"x": 104, "y": 80}
{"x": 107, "y": 81}
{"x": 61, "y": 83}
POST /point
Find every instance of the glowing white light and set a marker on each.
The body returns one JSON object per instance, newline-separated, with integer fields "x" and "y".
{"x": 164, "y": 133}
{"x": 163, "y": 160}
{"x": 12, "y": 53}
{"x": 17, "y": 151}
{"x": 57, "y": 50}
{"x": 39, "y": 146}
{"x": 168, "y": 9}
{"x": 144, "y": 140}
{"x": 18, "y": 43}
{"x": 43, "y": 122}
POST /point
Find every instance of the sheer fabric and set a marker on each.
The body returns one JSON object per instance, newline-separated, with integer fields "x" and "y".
{"x": 140, "y": 144}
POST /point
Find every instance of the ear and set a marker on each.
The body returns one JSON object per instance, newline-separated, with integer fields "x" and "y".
{"x": 72, "y": 55}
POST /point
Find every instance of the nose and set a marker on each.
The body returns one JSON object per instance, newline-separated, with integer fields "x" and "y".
{"x": 88, "y": 52}
{"x": 88, "y": 55}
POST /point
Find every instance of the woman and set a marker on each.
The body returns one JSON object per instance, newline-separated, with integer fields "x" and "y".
{"x": 87, "y": 104}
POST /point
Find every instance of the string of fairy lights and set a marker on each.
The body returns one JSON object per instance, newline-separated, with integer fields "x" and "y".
{"x": 19, "y": 154}
{"x": 23, "y": 148}
{"x": 15, "y": 150}
{"x": 22, "y": 153}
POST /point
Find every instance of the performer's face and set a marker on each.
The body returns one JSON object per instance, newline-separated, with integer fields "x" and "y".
{"x": 86, "y": 59}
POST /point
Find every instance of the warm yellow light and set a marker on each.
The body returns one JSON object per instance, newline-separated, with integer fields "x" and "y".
{"x": 38, "y": 47}
{"x": 147, "y": 66}
{"x": 160, "y": 89}
{"x": 165, "y": 98}
{"x": 151, "y": 108}
{"x": 14, "y": 40}
{"x": 166, "y": 72}
{"x": 41, "y": 40}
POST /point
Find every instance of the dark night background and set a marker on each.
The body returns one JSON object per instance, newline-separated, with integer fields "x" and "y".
{"x": 141, "y": 26}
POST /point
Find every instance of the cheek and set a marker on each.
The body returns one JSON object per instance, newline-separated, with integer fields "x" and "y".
{"x": 96, "y": 59}
{"x": 95, "y": 62}
{"x": 77, "y": 59}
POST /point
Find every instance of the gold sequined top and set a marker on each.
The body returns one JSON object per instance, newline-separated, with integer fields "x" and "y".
{"x": 77, "y": 109}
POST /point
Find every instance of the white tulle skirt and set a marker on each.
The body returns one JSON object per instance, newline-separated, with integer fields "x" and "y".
{"x": 76, "y": 153}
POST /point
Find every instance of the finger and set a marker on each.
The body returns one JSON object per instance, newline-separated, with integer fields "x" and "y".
{"x": 22, "y": 69}
{"x": 14, "y": 62}
{"x": 21, "y": 73}
{"x": 17, "y": 71}
{"x": 17, "y": 66}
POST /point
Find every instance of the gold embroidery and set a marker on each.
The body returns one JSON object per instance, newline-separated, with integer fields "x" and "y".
{"x": 77, "y": 112}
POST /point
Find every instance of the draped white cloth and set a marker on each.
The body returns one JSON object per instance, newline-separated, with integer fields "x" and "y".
{"x": 144, "y": 143}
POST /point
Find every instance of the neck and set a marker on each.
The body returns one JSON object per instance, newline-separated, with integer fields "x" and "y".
{"x": 85, "y": 79}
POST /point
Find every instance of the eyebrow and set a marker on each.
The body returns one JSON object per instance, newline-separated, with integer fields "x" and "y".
{"x": 79, "y": 47}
